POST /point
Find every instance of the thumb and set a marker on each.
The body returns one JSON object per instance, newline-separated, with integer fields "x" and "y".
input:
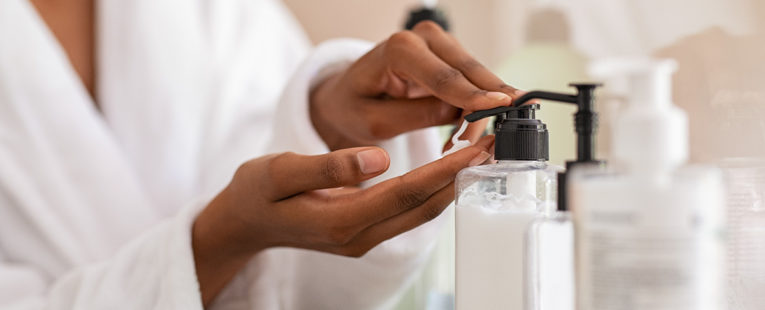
{"x": 291, "y": 174}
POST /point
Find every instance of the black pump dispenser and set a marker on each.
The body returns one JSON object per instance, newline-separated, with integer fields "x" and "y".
{"x": 585, "y": 121}
{"x": 520, "y": 136}
{"x": 426, "y": 13}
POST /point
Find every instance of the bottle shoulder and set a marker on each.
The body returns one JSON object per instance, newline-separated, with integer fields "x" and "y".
{"x": 502, "y": 169}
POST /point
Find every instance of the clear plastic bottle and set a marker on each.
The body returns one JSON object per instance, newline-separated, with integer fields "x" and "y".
{"x": 494, "y": 206}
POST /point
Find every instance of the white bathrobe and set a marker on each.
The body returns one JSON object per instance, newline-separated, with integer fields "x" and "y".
{"x": 96, "y": 206}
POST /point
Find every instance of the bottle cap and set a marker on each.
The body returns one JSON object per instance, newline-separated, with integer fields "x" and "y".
{"x": 520, "y": 136}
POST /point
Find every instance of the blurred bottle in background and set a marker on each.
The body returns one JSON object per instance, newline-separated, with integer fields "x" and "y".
{"x": 721, "y": 83}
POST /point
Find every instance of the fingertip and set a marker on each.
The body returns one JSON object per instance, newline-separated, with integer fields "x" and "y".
{"x": 489, "y": 100}
{"x": 373, "y": 160}
{"x": 479, "y": 159}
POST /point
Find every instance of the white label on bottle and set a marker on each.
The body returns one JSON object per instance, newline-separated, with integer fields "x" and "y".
{"x": 636, "y": 272}
{"x": 642, "y": 255}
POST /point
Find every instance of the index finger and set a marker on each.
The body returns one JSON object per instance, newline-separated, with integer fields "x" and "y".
{"x": 411, "y": 190}
{"x": 411, "y": 58}
{"x": 451, "y": 51}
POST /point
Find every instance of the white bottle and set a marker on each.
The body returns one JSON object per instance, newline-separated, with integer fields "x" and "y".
{"x": 648, "y": 235}
{"x": 494, "y": 206}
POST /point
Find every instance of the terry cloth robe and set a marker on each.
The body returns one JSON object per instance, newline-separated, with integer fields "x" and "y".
{"x": 96, "y": 205}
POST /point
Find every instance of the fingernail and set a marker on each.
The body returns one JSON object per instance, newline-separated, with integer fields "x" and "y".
{"x": 479, "y": 159}
{"x": 372, "y": 161}
{"x": 519, "y": 92}
{"x": 497, "y": 96}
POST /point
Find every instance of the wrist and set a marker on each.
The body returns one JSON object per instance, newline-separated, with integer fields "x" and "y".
{"x": 220, "y": 246}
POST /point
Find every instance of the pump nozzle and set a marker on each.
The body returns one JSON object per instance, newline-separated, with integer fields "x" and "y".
{"x": 585, "y": 118}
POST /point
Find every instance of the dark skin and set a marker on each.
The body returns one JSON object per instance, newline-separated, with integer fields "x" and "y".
{"x": 415, "y": 79}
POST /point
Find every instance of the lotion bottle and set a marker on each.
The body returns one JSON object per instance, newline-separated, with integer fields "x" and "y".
{"x": 494, "y": 206}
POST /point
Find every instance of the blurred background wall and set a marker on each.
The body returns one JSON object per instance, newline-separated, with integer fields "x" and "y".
{"x": 543, "y": 44}
{"x": 489, "y": 28}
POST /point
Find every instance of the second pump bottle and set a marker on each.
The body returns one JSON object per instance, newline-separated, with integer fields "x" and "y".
{"x": 647, "y": 238}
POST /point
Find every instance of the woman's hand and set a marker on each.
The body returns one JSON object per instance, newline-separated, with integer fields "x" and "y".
{"x": 413, "y": 80}
{"x": 290, "y": 200}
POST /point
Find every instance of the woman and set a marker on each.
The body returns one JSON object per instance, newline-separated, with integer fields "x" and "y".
{"x": 123, "y": 122}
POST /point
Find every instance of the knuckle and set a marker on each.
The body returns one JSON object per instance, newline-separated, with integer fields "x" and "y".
{"x": 273, "y": 165}
{"x": 402, "y": 38}
{"x": 445, "y": 77}
{"x": 410, "y": 197}
{"x": 470, "y": 64}
{"x": 477, "y": 94}
{"x": 354, "y": 252}
{"x": 431, "y": 212}
{"x": 507, "y": 88}
{"x": 427, "y": 26}
{"x": 243, "y": 176}
{"x": 245, "y": 168}
{"x": 338, "y": 235}
{"x": 333, "y": 170}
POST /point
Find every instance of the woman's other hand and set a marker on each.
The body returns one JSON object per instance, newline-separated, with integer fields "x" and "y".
{"x": 413, "y": 80}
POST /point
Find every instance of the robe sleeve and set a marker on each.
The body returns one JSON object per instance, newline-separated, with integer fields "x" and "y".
{"x": 293, "y": 130}
{"x": 154, "y": 271}
{"x": 313, "y": 280}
